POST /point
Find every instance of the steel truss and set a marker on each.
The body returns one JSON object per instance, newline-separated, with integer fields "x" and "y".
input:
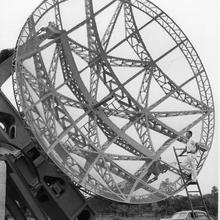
{"x": 80, "y": 144}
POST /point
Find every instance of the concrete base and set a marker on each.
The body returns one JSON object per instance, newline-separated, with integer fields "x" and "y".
{"x": 2, "y": 189}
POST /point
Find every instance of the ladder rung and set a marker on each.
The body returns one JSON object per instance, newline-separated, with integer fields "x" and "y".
{"x": 192, "y": 183}
{"x": 193, "y": 191}
{"x": 179, "y": 148}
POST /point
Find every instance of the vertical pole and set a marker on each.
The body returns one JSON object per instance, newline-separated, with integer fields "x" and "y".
{"x": 2, "y": 189}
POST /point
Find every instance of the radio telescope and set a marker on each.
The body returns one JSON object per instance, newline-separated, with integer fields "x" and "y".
{"x": 108, "y": 88}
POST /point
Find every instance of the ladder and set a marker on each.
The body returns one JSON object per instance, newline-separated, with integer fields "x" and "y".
{"x": 190, "y": 187}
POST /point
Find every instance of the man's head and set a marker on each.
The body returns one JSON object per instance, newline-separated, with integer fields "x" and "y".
{"x": 188, "y": 134}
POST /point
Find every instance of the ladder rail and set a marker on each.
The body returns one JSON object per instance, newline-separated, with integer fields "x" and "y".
{"x": 203, "y": 202}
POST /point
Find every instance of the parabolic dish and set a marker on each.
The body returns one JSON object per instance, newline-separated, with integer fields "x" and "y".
{"x": 108, "y": 88}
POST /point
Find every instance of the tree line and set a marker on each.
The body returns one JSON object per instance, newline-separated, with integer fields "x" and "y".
{"x": 162, "y": 208}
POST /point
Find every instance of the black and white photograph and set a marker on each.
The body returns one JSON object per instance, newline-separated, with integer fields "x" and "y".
{"x": 109, "y": 109}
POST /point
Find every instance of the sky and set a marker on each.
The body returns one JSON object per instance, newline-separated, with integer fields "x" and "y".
{"x": 198, "y": 20}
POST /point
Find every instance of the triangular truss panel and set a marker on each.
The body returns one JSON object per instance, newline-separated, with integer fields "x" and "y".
{"x": 98, "y": 5}
{"x": 79, "y": 35}
{"x": 157, "y": 138}
{"x": 29, "y": 68}
{"x": 123, "y": 51}
{"x": 135, "y": 86}
{"x": 152, "y": 36}
{"x": 125, "y": 73}
{"x": 176, "y": 67}
{"x": 130, "y": 166}
{"x": 173, "y": 104}
{"x": 118, "y": 120}
{"x": 85, "y": 76}
{"x": 49, "y": 56}
{"x": 113, "y": 32}
{"x": 141, "y": 19}
{"x": 155, "y": 93}
{"x": 102, "y": 137}
{"x": 111, "y": 13}
{"x": 181, "y": 121}
{"x": 132, "y": 132}
{"x": 102, "y": 91}
{"x": 194, "y": 93}
{"x": 73, "y": 13}
{"x": 81, "y": 61}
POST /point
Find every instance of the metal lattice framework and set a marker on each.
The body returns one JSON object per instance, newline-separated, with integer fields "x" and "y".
{"x": 108, "y": 100}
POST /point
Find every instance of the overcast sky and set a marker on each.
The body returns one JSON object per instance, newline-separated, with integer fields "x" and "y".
{"x": 198, "y": 20}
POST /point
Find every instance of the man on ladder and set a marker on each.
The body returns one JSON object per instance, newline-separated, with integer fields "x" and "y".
{"x": 189, "y": 163}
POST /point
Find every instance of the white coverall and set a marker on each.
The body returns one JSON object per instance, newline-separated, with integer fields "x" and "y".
{"x": 189, "y": 163}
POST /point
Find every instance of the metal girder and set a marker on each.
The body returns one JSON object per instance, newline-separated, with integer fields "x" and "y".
{"x": 40, "y": 123}
{"x": 125, "y": 157}
{"x": 143, "y": 132}
{"x": 107, "y": 35}
{"x": 135, "y": 40}
{"x": 67, "y": 101}
{"x": 43, "y": 87}
{"x": 92, "y": 16}
{"x": 143, "y": 94}
{"x": 52, "y": 72}
{"x": 123, "y": 62}
{"x": 120, "y": 94}
{"x": 93, "y": 44}
{"x": 68, "y": 72}
{"x": 69, "y": 126}
{"x": 122, "y": 140}
{"x": 165, "y": 114}
{"x": 58, "y": 19}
